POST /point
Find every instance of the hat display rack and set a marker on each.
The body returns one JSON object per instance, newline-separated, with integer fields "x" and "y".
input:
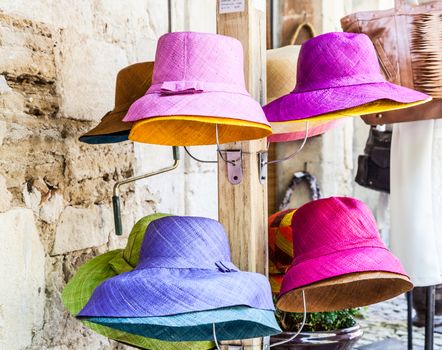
{"x": 172, "y": 272}
{"x": 116, "y": 190}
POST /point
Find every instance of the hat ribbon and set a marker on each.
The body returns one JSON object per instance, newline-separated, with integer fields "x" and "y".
{"x": 184, "y": 87}
{"x": 181, "y": 87}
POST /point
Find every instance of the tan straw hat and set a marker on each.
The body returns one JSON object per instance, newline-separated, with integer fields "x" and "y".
{"x": 132, "y": 83}
{"x": 281, "y": 78}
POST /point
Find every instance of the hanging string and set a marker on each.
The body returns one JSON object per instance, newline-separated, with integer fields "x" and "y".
{"x": 197, "y": 159}
{"x": 294, "y": 153}
{"x": 218, "y": 148}
{"x": 304, "y": 318}
{"x": 214, "y": 338}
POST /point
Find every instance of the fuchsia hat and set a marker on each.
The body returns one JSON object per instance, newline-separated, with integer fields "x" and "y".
{"x": 340, "y": 261}
{"x": 339, "y": 75}
{"x": 198, "y": 84}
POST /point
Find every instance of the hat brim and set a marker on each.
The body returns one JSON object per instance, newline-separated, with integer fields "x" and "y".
{"x": 79, "y": 289}
{"x": 195, "y": 131}
{"x": 111, "y": 129}
{"x": 344, "y": 101}
{"x": 168, "y": 119}
{"x": 352, "y": 282}
{"x": 315, "y": 128}
{"x": 230, "y": 324}
{"x": 162, "y": 291}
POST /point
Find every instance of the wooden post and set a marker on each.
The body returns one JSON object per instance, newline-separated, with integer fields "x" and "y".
{"x": 243, "y": 207}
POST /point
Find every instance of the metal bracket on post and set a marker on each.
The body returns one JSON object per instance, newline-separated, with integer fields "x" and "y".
{"x": 262, "y": 160}
{"x": 234, "y": 166}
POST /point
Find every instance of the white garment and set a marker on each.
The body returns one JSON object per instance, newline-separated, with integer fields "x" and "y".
{"x": 415, "y": 200}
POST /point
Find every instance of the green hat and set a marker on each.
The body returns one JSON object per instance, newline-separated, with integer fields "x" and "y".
{"x": 79, "y": 289}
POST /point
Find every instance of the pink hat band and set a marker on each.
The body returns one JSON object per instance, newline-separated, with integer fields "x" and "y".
{"x": 181, "y": 87}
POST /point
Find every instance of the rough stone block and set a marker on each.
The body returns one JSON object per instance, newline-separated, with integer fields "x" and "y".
{"x": 2, "y": 131}
{"x": 26, "y": 48}
{"x": 22, "y": 279}
{"x": 87, "y": 68}
{"x": 5, "y": 196}
{"x": 51, "y": 209}
{"x": 80, "y": 228}
{"x": 62, "y": 13}
{"x": 4, "y": 87}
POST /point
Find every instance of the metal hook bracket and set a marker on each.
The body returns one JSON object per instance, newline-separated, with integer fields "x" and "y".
{"x": 234, "y": 166}
{"x": 262, "y": 164}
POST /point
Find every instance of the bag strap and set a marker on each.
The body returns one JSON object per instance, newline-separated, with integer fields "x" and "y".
{"x": 304, "y": 24}
{"x": 297, "y": 178}
{"x": 388, "y": 69}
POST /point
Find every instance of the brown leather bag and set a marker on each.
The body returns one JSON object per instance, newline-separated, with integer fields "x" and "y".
{"x": 408, "y": 42}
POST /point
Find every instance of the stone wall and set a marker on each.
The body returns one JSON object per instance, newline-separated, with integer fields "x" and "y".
{"x": 58, "y": 62}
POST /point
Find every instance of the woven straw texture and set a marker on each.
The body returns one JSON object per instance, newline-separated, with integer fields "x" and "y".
{"x": 233, "y": 323}
{"x": 280, "y": 247}
{"x": 79, "y": 290}
{"x": 197, "y": 75}
{"x": 337, "y": 237}
{"x": 184, "y": 267}
{"x": 281, "y": 78}
{"x": 336, "y": 73}
{"x": 132, "y": 82}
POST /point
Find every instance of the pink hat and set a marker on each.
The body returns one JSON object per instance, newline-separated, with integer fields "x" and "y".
{"x": 198, "y": 83}
{"x": 339, "y": 75}
{"x": 340, "y": 261}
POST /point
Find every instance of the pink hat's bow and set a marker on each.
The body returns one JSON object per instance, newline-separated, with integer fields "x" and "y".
{"x": 181, "y": 87}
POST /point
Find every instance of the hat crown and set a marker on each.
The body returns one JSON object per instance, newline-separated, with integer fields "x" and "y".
{"x": 281, "y": 70}
{"x": 328, "y": 225}
{"x": 337, "y": 59}
{"x": 184, "y": 242}
{"x": 205, "y": 57}
{"x": 132, "y": 83}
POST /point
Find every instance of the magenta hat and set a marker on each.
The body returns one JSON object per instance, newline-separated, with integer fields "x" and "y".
{"x": 340, "y": 260}
{"x": 339, "y": 75}
{"x": 198, "y": 83}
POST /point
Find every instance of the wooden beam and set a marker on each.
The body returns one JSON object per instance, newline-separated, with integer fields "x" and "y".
{"x": 243, "y": 207}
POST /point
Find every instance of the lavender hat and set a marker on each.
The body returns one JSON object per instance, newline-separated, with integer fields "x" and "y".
{"x": 184, "y": 267}
{"x": 338, "y": 76}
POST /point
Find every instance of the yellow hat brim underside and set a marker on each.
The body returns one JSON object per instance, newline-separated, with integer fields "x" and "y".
{"x": 379, "y": 106}
{"x": 195, "y": 130}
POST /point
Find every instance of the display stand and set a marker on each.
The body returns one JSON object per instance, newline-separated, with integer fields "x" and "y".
{"x": 243, "y": 206}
